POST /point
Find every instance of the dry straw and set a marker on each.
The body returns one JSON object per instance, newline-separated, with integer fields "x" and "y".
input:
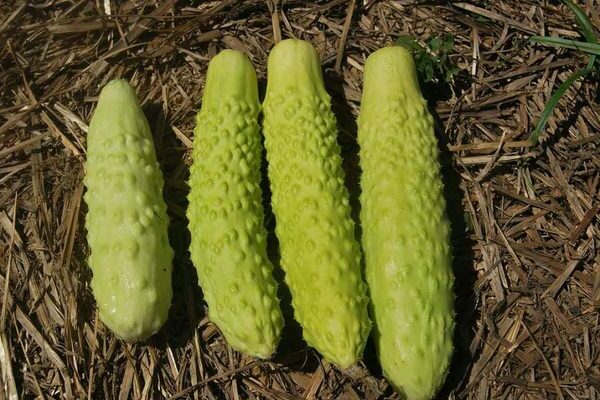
{"x": 525, "y": 218}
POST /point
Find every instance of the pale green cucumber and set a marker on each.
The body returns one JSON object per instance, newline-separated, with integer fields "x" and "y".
{"x": 228, "y": 245}
{"x": 127, "y": 217}
{"x": 405, "y": 227}
{"x": 319, "y": 253}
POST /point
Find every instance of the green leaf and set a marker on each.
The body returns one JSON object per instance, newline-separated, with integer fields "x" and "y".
{"x": 592, "y": 48}
{"x": 435, "y": 44}
{"x": 432, "y": 61}
{"x": 450, "y": 72}
{"x": 409, "y": 42}
{"x": 533, "y": 138}
{"x": 427, "y": 70}
{"x": 448, "y": 44}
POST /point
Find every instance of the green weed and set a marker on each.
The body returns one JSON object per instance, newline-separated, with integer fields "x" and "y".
{"x": 433, "y": 60}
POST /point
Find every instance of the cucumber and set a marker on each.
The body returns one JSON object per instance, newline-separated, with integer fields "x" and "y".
{"x": 228, "y": 246}
{"x": 406, "y": 233}
{"x": 319, "y": 253}
{"x": 127, "y": 218}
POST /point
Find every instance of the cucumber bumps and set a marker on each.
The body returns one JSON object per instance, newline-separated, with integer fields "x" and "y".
{"x": 405, "y": 227}
{"x": 127, "y": 217}
{"x": 319, "y": 254}
{"x": 228, "y": 245}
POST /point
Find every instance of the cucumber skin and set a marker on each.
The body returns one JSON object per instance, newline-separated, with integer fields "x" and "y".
{"x": 319, "y": 253}
{"x": 127, "y": 221}
{"x": 225, "y": 211}
{"x": 406, "y": 232}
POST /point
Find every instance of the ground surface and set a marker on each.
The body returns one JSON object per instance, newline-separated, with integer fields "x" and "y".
{"x": 525, "y": 223}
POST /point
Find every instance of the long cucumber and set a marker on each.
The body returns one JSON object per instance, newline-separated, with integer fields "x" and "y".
{"x": 405, "y": 227}
{"x": 319, "y": 253}
{"x": 228, "y": 245}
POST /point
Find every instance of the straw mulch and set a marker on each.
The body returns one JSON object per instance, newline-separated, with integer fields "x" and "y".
{"x": 525, "y": 218}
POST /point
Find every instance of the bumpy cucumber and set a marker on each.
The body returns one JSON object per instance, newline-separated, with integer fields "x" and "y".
{"x": 405, "y": 227}
{"x": 127, "y": 217}
{"x": 319, "y": 253}
{"x": 228, "y": 245}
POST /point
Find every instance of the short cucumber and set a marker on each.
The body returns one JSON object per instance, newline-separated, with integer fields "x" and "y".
{"x": 127, "y": 217}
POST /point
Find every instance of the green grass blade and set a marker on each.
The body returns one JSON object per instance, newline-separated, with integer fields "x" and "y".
{"x": 584, "y": 22}
{"x": 592, "y": 48}
{"x": 586, "y": 27}
{"x": 591, "y": 62}
{"x": 533, "y": 138}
